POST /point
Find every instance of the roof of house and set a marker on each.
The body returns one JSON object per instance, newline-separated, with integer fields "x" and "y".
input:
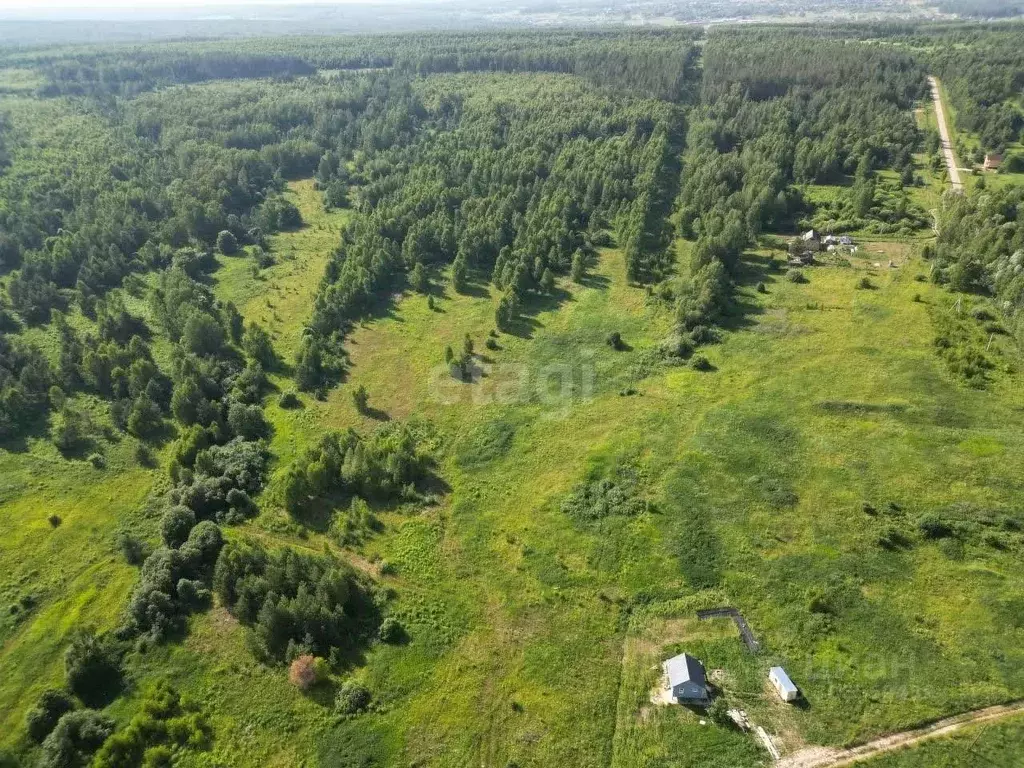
{"x": 778, "y": 674}
{"x": 684, "y": 668}
{"x": 993, "y": 159}
{"x": 809, "y": 235}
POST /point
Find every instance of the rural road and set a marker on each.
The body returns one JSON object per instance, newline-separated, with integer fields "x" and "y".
{"x": 947, "y": 145}
{"x": 828, "y": 757}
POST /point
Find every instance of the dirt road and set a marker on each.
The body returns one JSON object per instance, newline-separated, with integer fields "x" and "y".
{"x": 828, "y": 757}
{"x": 947, "y": 145}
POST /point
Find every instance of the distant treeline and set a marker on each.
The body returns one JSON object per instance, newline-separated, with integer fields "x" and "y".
{"x": 658, "y": 64}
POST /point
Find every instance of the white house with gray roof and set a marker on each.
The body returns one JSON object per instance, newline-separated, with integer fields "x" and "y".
{"x": 686, "y": 679}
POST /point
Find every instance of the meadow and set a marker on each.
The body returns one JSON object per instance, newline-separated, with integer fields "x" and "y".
{"x": 825, "y": 400}
{"x": 828, "y": 471}
{"x": 827, "y": 422}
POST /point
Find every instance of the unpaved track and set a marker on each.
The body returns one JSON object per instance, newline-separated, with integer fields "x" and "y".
{"x": 827, "y": 757}
{"x": 947, "y": 145}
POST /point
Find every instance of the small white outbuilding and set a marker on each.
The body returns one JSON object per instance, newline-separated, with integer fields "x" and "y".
{"x": 783, "y": 685}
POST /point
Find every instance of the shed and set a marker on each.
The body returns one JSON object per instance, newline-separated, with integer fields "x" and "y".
{"x": 783, "y": 685}
{"x": 686, "y": 678}
{"x": 992, "y": 162}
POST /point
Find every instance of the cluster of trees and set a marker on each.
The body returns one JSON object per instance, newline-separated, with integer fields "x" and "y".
{"x": 296, "y": 604}
{"x": 73, "y": 737}
{"x": 982, "y": 70}
{"x": 516, "y": 180}
{"x": 384, "y": 465}
{"x": 780, "y": 109}
{"x": 980, "y": 249}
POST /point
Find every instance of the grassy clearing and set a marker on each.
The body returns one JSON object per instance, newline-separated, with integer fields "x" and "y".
{"x": 280, "y": 297}
{"x": 55, "y": 579}
{"x": 825, "y": 396}
{"x": 534, "y": 639}
{"x": 995, "y": 744}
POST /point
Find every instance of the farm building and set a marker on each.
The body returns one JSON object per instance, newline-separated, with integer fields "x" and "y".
{"x": 783, "y": 685}
{"x": 811, "y": 240}
{"x": 686, "y": 678}
{"x": 992, "y": 162}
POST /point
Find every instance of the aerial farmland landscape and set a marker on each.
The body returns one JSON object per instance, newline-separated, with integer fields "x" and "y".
{"x": 556, "y": 384}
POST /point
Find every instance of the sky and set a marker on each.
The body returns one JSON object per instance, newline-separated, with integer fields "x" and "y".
{"x": 152, "y": 4}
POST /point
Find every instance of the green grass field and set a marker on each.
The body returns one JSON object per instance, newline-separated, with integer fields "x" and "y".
{"x": 534, "y": 639}
{"x": 993, "y": 744}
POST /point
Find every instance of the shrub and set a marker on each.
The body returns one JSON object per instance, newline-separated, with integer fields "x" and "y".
{"x": 360, "y": 398}
{"x": 176, "y": 524}
{"x": 864, "y": 284}
{"x": 76, "y": 737}
{"x": 54, "y": 520}
{"x": 247, "y": 421}
{"x": 934, "y": 527}
{"x": 352, "y": 698}
{"x": 490, "y": 343}
{"x": 289, "y": 400}
{"x": 192, "y": 593}
{"x": 795, "y": 276}
{"x": 132, "y": 548}
{"x": 893, "y": 538}
{"x": 42, "y": 719}
{"x": 303, "y": 672}
{"x": 614, "y": 340}
{"x": 718, "y": 711}
{"x": 700, "y": 363}
{"x": 226, "y": 243}
{"x": 97, "y": 460}
{"x": 93, "y": 668}
{"x": 762, "y": 288}
{"x": 391, "y": 630}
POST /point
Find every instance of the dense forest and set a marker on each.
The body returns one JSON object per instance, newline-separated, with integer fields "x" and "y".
{"x": 129, "y": 173}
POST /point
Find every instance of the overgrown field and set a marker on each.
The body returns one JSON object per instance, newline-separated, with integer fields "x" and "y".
{"x": 528, "y": 386}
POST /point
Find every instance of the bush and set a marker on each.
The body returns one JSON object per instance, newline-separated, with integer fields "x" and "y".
{"x": 352, "y": 698}
{"x": 97, "y": 460}
{"x": 701, "y": 363}
{"x": 93, "y": 669}
{"x": 303, "y": 672}
{"x": 391, "y": 631}
{"x": 934, "y": 527}
{"x": 718, "y": 711}
{"x": 54, "y": 520}
{"x": 864, "y": 284}
{"x": 762, "y": 288}
{"x": 289, "y": 400}
{"x": 247, "y": 421}
{"x": 490, "y": 343}
{"x": 76, "y": 737}
{"x": 226, "y": 243}
{"x": 795, "y": 276}
{"x": 614, "y": 340}
{"x": 132, "y": 548}
{"x": 360, "y": 398}
{"x": 42, "y": 719}
{"x": 176, "y": 524}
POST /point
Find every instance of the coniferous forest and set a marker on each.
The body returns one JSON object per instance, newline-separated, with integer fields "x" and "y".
{"x": 399, "y": 399}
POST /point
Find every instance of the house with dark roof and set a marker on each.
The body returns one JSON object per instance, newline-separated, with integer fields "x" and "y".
{"x": 686, "y": 678}
{"x": 992, "y": 162}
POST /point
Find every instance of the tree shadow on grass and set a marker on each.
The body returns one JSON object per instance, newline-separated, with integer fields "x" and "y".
{"x": 599, "y": 282}
{"x": 526, "y": 322}
{"x": 375, "y": 413}
{"x": 752, "y": 270}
